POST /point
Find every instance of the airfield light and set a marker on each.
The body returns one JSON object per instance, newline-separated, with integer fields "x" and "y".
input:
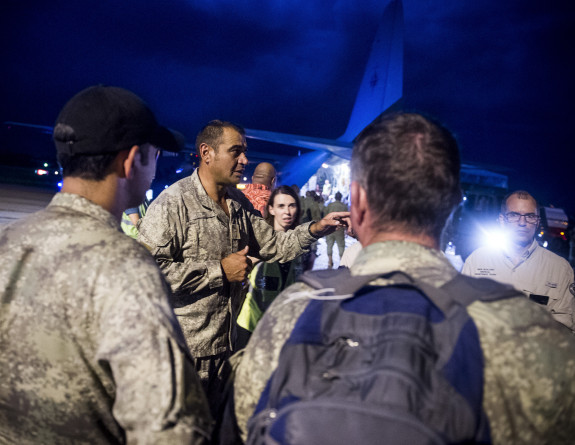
{"x": 150, "y": 194}
{"x": 60, "y": 185}
{"x": 41, "y": 172}
{"x": 545, "y": 244}
{"x": 180, "y": 170}
{"x": 45, "y": 164}
{"x": 465, "y": 198}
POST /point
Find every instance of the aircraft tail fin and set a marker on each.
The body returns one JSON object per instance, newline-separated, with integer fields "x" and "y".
{"x": 382, "y": 84}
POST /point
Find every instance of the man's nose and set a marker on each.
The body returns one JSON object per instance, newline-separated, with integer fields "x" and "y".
{"x": 243, "y": 159}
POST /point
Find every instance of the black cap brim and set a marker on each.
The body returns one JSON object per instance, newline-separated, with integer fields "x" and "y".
{"x": 168, "y": 139}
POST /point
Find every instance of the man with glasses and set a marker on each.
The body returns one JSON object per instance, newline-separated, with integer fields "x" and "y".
{"x": 546, "y": 278}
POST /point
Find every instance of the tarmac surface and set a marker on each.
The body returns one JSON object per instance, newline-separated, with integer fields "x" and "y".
{"x": 17, "y": 201}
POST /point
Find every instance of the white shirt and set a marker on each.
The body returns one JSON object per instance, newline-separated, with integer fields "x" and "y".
{"x": 540, "y": 272}
{"x": 349, "y": 255}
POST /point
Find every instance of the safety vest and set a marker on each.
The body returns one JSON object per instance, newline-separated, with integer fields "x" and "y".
{"x": 266, "y": 282}
{"x": 128, "y": 226}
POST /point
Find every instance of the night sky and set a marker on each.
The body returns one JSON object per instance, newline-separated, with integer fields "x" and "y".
{"x": 499, "y": 74}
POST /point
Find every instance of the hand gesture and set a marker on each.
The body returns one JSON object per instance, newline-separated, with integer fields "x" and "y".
{"x": 330, "y": 223}
{"x": 237, "y": 266}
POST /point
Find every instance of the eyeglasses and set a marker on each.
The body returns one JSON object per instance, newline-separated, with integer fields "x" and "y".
{"x": 513, "y": 217}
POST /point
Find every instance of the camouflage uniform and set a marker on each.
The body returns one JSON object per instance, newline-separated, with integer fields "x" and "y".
{"x": 529, "y": 392}
{"x": 339, "y": 235}
{"x": 539, "y": 272}
{"x": 91, "y": 350}
{"x": 189, "y": 234}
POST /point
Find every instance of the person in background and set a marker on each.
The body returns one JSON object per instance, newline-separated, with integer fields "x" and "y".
{"x": 92, "y": 352}
{"x": 339, "y": 235}
{"x": 132, "y": 216}
{"x": 263, "y": 180}
{"x": 307, "y": 203}
{"x": 317, "y": 209}
{"x": 543, "y": 276}
{"x": 267, "y": 280}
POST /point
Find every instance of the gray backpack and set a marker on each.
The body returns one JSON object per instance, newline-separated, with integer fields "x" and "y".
{"x": 398, "y": 364}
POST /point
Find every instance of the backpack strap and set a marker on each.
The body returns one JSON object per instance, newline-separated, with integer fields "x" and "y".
{"x": 460, "y": 291}
{"x": 343, "y": 282}
{"x": 483, "y": 289}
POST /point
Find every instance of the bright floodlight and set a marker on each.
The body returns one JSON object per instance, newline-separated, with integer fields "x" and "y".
{"x": 494, "y": 238}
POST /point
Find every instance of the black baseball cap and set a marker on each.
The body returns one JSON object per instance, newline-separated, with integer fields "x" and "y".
{"x": 105, "y": 119}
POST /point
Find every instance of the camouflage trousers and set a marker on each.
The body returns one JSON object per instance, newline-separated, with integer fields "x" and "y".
{"x": 336, "y": 237}
{"x": 214, "y": 372}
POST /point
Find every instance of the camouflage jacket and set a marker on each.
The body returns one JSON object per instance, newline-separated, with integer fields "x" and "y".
{"x": 529, "y": 393}
{"x": 91, "y": 350}
{"x": 336, "y": 206}
{"x": 189, "y": 234}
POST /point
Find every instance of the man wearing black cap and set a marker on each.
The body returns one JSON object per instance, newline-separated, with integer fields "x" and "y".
{"x": 91, "y": 349}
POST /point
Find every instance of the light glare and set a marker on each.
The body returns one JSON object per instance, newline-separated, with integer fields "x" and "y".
{"x": 494, "y": 238}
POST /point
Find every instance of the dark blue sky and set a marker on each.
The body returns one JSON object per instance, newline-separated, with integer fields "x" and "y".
{"x": 500, "y": 74}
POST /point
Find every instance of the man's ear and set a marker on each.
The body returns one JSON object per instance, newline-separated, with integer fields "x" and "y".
{"x": 359, "y": 207}
{"x": 127, "y": 158}
{"x": 205, "y": 152}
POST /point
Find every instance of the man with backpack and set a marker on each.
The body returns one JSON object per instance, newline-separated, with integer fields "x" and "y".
{"x": 400, "y": 348}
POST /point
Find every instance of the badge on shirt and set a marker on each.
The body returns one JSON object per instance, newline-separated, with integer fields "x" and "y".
{"x": 572, "y": 289}
{"x": 551, "y": 285}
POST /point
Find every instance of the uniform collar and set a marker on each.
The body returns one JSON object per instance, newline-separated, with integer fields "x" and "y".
{"x": 419, "y": 262}
{"x": 82, "y": 205}
{"x": 208, "y": 202}
{"x": 200, "y": 191}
